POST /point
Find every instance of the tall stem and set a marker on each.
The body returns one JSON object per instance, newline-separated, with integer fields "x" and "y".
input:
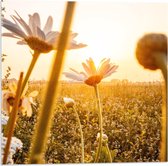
{"x": 81, "y": 133}
{"x": 100, "y": 124}
{"x": 46, "y": 112}
{"x": 29, "y": 71}
{"x": 13, "y": 119}
{"x": 109, "y": 154}
{"x": 161, "y": 61}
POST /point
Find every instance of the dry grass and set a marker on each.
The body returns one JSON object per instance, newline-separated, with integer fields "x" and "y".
{"x": 131, "y": 114}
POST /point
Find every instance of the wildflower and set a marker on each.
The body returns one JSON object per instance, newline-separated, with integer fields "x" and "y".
{"x": 40, "y": 40}
{"x": 104, "y": 137}
{"x": 4, "y": 119}
{"x": 149, "y": 45}
{"x": 69, "y": 102}
{"x": 92, "y": 76}
{"x": 15, "y": 144}
{"x": 8, "y": 97}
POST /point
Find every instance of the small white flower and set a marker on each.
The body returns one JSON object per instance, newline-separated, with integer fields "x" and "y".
{"x": 104, "y": 137}
{"x": 15, "y": 144}
{"x": 69, "y": 102}
{"x": 4, "y": 119}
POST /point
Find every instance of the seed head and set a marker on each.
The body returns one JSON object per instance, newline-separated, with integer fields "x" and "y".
{"x": 147, "y": 46}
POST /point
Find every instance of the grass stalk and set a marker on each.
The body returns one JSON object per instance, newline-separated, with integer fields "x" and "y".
{"x": 81, "y": 134}
{"x": 109, "y": 153}
{"x": 46, "y": 111}
{"x": 161, "y": 61}
{"x": 13, "y": 119}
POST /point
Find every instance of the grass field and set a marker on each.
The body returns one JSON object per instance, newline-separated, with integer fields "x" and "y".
{"x": 131, "y": 120}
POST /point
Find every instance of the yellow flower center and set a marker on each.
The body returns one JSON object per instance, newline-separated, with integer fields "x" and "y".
{"x": 38, "y": 45}
{"x": 11, "y": 100}
{"x": 69, "y": 105}
{"x": 93, "y": 80}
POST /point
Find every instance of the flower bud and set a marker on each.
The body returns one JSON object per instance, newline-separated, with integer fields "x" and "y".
{"x": 149, "y": 45}
{"x": 104, "y": 137}
{"x": 69, "y": 102}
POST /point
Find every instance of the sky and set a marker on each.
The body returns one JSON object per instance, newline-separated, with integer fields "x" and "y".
{"x": 111, "y": 29}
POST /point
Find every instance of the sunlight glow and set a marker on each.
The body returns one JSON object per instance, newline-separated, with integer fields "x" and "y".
{"x": 111, "y": 30}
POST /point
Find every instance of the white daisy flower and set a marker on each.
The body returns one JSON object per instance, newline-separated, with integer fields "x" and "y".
{"x": 31, "y": 34}
{"x": 92, "y": 75}
{"x": 15, "y": 144}
{"x": 8, "y": 97}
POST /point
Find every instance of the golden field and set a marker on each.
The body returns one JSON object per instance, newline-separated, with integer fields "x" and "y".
{"x": 131, "y": 120}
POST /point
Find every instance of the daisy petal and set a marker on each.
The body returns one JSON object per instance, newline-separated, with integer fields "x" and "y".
{"x": 105, "y": 70}
{"x": 54, "y": 43}
{"x": 31, "y": 23}
{"x": 103, "y": 63}
{"x": 13, "y": 28}
{"x": 51, "y": 35}
{"x": 31, "y": 101}
{"x": 113, "y": 67}
{"x": 104, "y": 67}
{"x": 87, "y": 69}
{"x": 34, "y": 29}
{"x": 73, "y": 35}
{"x": 23, "y": 24}
{"x": 36, "y": 20}
{"x": 92, "y": 66}
{"x": 40, "y": 33}
{"x": 112, "y": 70}
{"x": 84, "y": 74}
{"x": 26, "y": 107}
{"x": 48, "y": 25}
{"x": 33, "y": 94}
{"x": 73, "y": 45}
{"x": 14, "y": 20}
{"x": 21, "y": 42}
{"x": 10, "y": 35}
{"x": 74, "y": 76}
{"x": 74, "y": 71}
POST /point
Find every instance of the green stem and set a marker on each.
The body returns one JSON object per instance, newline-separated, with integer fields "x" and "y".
{"x": 30, "y": 69}
{"x": 109, "y": 154}
{"x": 100, "y": 124}
{"x": 161, "y": 61}
{"x": 81, "y": 133}
{"x": 47, "y": 110}
{"x": 13, "y": 116}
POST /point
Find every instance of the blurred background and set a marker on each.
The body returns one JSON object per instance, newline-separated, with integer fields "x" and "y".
{"x": 110, "y": 29}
